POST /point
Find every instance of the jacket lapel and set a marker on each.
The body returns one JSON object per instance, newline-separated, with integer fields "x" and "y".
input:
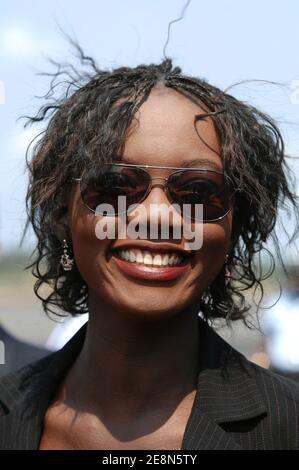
{"x": 227, "y": 392}
{"x": 20, "y": 416}
{"x": 202, "y": 433}
{"x": 25, "y": 395}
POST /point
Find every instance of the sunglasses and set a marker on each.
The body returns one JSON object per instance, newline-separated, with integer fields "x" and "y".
{"x": 190, "y": 186}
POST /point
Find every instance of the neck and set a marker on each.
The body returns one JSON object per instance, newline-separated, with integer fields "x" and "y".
{"x": 128, "y": 366}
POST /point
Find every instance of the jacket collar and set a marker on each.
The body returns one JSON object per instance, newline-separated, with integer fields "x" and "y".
{"x": 39, "y": 380}
{"x": 226, "y": 390}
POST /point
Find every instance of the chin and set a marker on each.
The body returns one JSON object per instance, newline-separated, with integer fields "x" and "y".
{"x": 148, "y": 308}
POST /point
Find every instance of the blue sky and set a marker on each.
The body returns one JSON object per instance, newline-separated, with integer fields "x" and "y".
{"x": 224, "y": 41}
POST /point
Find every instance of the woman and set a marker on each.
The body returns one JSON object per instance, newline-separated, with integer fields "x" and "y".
{"x": 148, "y": 372}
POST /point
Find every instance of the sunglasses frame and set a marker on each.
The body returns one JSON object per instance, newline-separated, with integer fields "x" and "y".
{"x": 144, "y": 169}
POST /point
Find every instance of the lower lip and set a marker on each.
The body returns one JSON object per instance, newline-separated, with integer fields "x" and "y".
{"x": 141, "y": 271}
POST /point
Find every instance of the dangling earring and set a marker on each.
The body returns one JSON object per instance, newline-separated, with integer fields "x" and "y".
{"x": 227, "y": 271}
{"x": 65, "y": 260}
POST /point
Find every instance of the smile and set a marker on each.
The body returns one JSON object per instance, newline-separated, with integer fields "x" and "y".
{"x": 150, "y": 259}
{"x": 151, "y": 265}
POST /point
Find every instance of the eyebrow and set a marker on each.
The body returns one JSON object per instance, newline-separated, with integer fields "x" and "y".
{"x": 197, "y": 162}
{"x": 200, "y": 162}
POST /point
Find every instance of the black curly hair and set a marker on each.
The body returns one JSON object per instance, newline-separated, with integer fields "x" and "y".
{"x": 88, "y": 124}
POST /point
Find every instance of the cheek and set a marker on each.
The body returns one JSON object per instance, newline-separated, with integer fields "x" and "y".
{"x": 89, "y": 251}
{"x": 210, "y": 258}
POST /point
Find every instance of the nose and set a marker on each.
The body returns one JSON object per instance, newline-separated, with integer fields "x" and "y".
{"x": 157, "y": 196}
{"x": 157, "y": 213}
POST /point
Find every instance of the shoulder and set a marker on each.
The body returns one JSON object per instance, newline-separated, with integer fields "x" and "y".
{"x": 16, "y": 385}
{"x": 271, "y": 385}
{"x": 23, "y": 400}
{"x": 275, "y": 386}
{"x": 26, "y": 393}
{"x": 280, "y": 425}
{"x": 38, "y": 380}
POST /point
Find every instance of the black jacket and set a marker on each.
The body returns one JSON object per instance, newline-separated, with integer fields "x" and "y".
{"x": 17, "y": 353}
{"x": 238, "y": 405}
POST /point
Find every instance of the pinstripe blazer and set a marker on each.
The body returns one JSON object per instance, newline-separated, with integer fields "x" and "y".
{"x": 238, "y": 405}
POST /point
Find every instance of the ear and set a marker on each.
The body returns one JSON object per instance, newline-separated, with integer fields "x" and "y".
{"x": 61, "y": 225}
{"x": 61, "y": 215}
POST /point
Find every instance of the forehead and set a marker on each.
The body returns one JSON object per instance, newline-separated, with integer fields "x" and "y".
{"x": 165, "y": 133}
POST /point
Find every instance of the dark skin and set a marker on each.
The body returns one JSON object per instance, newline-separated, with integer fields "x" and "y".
{"x": 134, "y": 382}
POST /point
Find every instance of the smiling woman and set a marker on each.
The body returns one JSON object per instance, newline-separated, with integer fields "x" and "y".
{"x": 147, "y": 370}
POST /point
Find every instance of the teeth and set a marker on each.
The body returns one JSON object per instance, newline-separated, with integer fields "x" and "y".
{"x": 172, "y": 260}
{"x": 150, "y": 259}
{"x": 157, "y": 261}
{"x": 139, "y": 257}
{"x": 165, "y": 260}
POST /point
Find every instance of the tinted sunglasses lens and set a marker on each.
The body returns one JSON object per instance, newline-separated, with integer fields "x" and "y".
{"x": 200, "y": 187}
{"x": 116, "y": 181}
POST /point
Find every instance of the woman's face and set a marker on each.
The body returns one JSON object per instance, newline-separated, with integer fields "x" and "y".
{"x": 165, "y": 136}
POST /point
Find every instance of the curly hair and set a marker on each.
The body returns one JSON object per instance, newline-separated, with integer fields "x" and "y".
{"x": 88, "y": 124}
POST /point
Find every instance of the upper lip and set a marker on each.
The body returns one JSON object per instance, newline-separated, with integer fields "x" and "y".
{"x": 151, "y": 246}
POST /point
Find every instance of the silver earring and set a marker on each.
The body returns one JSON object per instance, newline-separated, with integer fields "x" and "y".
{"x": 65, "y": 260}
{"x": 227, "y": 271}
